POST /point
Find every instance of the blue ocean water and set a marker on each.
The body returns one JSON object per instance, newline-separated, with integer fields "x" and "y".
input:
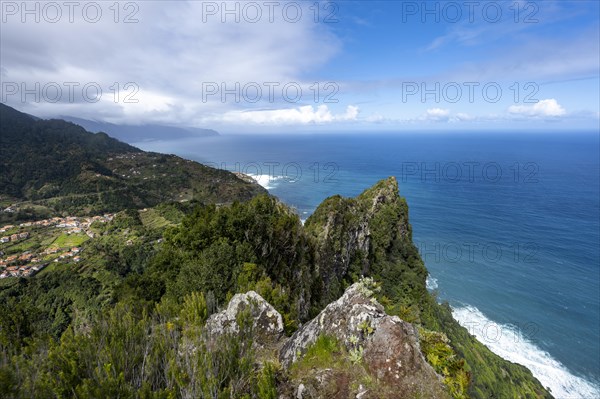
{"x": 508, "y": 225}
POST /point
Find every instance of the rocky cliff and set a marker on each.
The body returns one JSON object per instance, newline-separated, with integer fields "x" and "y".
{"x": 394, "y": 341}
{"x": 368, "y": 235}
{"x": 385, "y": 346}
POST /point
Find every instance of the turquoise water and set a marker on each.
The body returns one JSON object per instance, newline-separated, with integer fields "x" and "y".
{"x": 508, "y": 226}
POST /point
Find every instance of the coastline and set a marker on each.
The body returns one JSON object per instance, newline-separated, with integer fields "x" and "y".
{"x": 573, "y": 379}
{"x": 509, "y": 343}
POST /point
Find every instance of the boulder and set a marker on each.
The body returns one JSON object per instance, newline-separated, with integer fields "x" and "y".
{"x": 267, "y": 323}
{"x": 389, "y": 346}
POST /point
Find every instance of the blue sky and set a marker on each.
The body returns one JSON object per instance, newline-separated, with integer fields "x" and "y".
{"x": 371, "y": 65}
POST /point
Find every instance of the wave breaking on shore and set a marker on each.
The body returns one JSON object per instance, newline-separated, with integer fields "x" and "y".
{"x": 511, "y": 344}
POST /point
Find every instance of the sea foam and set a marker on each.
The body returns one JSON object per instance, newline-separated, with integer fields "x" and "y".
{"x": 267, "y": 181}
{"x": 431, "y": 283}
{"x": 511, "y": 344}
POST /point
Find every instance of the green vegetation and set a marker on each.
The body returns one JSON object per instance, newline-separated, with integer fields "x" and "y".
{"x": 267, "y": 382}
{"x": 85, "y": 173}
{"x": 445, "y": 362}
{"x": 490, "y": 374}
{"x": 69, "y": 240}
{"x": 213, "y": 253}
{"x": 136, "y": 352}
{"x": 152, "y": 219}
{"x": 225, "y": 250}
{"x": 21, "y": 246}
{"x": 356, "y": 355}
{"x": 328, "y": 353}
{"x": 128, "y": 320}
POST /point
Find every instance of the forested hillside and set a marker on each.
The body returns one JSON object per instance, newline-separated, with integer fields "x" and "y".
{"x": 135, "y": 314}
{"x": 50, "y": 167}
{"x": 114, "y": 324}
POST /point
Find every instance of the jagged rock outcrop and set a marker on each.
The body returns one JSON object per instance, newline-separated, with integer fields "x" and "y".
{"x": 372, "y": 354}
{"x": 267, "y": 323}
{"x": 352, "y": 235}
{"x": 385, "y": 348}
{"x": 389, "y": 348}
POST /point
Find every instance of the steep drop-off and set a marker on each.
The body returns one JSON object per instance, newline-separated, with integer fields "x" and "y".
{"x": 129, "y": 319}
{"x": 262, "y": 246}
{"x": 370, "y": 235}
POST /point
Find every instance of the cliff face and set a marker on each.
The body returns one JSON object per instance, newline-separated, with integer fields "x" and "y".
{"x": 368, "y": 235}
{"x": 341, "y": 227}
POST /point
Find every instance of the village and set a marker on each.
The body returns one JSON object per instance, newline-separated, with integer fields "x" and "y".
{"x": 27, "y": 263}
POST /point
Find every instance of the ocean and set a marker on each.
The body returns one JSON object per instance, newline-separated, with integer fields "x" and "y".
{"x": 508, "y": 225}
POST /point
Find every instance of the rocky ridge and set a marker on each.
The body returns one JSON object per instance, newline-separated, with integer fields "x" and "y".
{"x": 402, "y": 344}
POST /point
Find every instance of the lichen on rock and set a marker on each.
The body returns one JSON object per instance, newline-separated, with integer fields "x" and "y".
{"x": 389, "y": 347}
{"x": 267, "y": 323}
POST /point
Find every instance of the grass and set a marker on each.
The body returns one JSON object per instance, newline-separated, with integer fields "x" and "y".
{"x": 69, "y": 240}
{"x": 49, "y": 257}
{"x": 152, "y": 219}
{"x": 9, "y": 232}
{"x": 325, "y": 352}
{"x": 22, "y": 246}
{"x": 50, "y": 268}
{"x": 38, "y": 236}
{"x": 48, "y": 239}
{"x": 329, "y": 353}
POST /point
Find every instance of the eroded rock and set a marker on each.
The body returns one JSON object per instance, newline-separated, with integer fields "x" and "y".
{"x": 387, "y": 352}
{"x": 267, "y": 323}
{"x": 389, "y": 346}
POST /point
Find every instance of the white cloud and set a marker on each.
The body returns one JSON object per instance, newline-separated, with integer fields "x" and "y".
{"x": 168, "y": 54}
{"x": 431, "y": 115}
{"x": 444, "y": 115}
{"x": 544, "y": 108}
{"x": 291, "y": 116}
{"x": 436, "y": 115}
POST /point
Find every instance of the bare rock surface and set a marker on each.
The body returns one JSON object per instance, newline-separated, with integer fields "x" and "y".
{"x": 390, "y": 346}
{"x": 267, "y": 322}
{"x": 387, "y": 348}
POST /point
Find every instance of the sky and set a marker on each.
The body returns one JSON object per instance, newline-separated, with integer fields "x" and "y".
{"x": 276, "y": 66}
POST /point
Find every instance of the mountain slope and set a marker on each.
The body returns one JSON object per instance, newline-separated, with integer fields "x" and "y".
{"x": 156, "y": 296}
{"x": 150, "y": 279}
{"x": 133, "y": 134}
{"x": 371, "y": 235}
{"x": 261, "y": 246}
{"x": 60, "y": 167}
